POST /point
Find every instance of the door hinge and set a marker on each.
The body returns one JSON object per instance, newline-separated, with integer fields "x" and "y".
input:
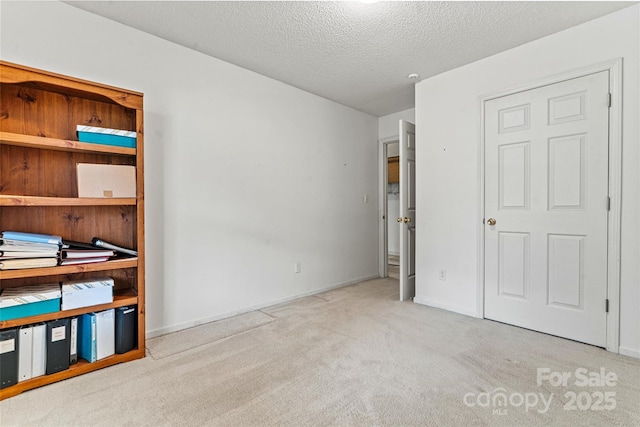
{"x": 608, "y": 203}
{"x": 607, "y": 305}
{"x": 609, "y": 100}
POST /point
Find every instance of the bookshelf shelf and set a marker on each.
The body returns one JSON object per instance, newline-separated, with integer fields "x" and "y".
{"x": 82, "y": 367}
{"x": 20, "y": 140}
{"x": 13, "y": 200}
{"x": 69, "y": 269}
{"x": 38, "y": 159}
{"x": 120, "y": 299}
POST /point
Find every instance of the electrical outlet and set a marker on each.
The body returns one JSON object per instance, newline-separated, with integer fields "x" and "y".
{"x": 443, "y": 274}
{"x": 296, "y": 267}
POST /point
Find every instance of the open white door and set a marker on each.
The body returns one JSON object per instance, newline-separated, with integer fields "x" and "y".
{"x": 407, "y": 218}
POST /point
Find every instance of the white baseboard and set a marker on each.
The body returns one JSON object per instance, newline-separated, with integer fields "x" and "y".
{"x": 192, "y": 323}
{"x": 443, "y": 306}
{"x": 625, "y": 351}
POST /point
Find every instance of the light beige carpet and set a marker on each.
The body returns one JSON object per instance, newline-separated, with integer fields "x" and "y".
{"x": 170, "y": 344}
{"x": 394, "y": 272}
{"x": 351, "y": 356}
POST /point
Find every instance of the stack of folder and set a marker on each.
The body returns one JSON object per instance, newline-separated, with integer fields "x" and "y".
{"x": 20, "y": 250}
{"x": 29, "y": 300}
{"x": 83, "y": 253}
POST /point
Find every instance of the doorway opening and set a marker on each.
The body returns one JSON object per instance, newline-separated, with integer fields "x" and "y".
{"x": 406, "y": 219}
{"x": 393, "y": 210}
{"x": 390, "y": 208}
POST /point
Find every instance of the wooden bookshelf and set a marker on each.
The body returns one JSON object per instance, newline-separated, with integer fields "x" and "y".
{"x": 39, "y": 153}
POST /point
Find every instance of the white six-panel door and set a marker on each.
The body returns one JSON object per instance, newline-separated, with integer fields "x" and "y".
{"x": 546, "y": 192}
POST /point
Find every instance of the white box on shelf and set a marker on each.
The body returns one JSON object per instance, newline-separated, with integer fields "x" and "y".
{"x": 87, "y": 292}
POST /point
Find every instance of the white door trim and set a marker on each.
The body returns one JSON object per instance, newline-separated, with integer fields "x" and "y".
{"x": 615, "y": 176}
{"x": 383, "y": 205}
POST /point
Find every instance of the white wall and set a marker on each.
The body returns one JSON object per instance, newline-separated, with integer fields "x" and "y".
{"x": 448, "y": 133}
{"x": 244, "y": 175}
{"x": 388, "y": 125}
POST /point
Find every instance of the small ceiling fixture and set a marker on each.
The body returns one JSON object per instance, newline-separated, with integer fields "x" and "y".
{"x": 414, "y": 76}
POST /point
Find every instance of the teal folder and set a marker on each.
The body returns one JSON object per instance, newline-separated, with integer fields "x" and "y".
{"x": 87, "y": 337}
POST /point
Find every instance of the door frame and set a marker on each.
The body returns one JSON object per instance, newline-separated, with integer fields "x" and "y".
{"x": 614, "y": 67}
{"x": 383, "y": 205}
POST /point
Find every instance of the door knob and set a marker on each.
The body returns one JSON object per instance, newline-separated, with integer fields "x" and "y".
{"x": 491, "y": 221}
{"x": 403, "y": 219}
{"x": 399, "y": 219}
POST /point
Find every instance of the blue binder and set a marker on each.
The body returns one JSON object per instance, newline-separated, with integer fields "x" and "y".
{"x": 87, "y": 337}
{"x": 32, "y": 237}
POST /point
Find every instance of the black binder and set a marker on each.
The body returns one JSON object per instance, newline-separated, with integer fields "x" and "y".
{"x": 8, "y": 357}
{"x": 58, "y": 347}
{"x": 126, "y": 330}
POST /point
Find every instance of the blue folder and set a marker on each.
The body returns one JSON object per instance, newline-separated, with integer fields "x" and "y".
{"x": 32, "y": 237}
{"x": 87, "y": 337}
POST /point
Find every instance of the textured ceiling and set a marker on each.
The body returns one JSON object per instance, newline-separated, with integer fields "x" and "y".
{"x": 354, "y": 53}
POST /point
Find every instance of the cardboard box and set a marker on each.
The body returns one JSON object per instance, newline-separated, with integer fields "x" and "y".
{"x": 88, "y": 292}
{"x": 30, "y": 300}
{"x": 106, "y": 181}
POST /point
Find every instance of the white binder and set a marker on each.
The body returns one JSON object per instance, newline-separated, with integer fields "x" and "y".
{"x": 105, "y": 334}
{"x": 39, "y": 358}
{"x": 73, "y": 337}
{"x": 25, "y": 346}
